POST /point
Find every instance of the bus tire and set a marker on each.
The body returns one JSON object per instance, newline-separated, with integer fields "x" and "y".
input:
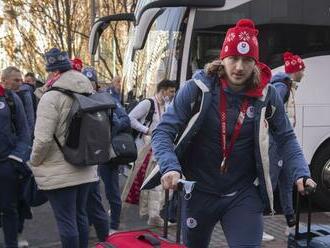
{"x": 320, "y": 170}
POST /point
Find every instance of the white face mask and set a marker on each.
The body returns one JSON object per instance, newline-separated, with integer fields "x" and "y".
{"x": 166, "y": 99}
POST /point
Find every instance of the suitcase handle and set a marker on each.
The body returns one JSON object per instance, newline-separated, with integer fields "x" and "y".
{"x": 149, "y": 239}
{"x": 308, "y": 192}
{"x": 178, "y": 212}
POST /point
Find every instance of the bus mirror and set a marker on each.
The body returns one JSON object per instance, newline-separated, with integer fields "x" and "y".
{"x": 142, "y": 30}
{"x": 180, "y": 3}
{"x": 101, "y": 24}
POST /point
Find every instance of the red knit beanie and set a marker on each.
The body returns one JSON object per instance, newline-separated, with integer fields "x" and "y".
{"x": 2, "y": 91}
{"x": 292, "y": 63}
{"x": 241, "y": 40}
{"x": 77, "y": 64}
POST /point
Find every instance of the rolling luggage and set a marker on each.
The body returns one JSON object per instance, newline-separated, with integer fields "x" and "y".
{"x": 312, "y": 236}
{"x": 147, "y": 238}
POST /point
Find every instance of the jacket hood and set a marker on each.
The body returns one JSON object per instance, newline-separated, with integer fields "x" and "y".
{"x": 279, "y": 77}
{"x": 265, "y": 76}
{"x": 74, "y": 81}
{"x": 201, "y": 75}
{"x": 25, "y": 87}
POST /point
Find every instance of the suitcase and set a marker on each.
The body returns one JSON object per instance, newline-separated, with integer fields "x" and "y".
{"x": 147, "y": 238}
{"x": 312, "y": 236}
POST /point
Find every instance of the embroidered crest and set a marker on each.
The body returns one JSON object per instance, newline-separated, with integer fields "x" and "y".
{"x": 191, "y": 222}
{"x": 243, "y": 47}
{"x": 280, "y": 163}
{"x": 250, "y": 112}
{"x": 89, "y": 74}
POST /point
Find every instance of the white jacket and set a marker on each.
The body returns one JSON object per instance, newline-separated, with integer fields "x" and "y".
{"x": 137, "y": 117}
{"x": 47, "y": 162}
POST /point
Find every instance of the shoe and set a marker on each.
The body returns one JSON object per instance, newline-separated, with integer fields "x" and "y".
{"x": 22, "y": 242}
{"x": 267, "y": 237}
{"x": 158, "y": 221}
{"x": 290, "y": 220}
{"x": 112, "y": 231}
{"x": 155, "y": 221}
{"x": 289, "y": 230}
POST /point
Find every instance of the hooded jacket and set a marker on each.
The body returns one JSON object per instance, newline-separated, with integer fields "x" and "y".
{"x": 49, "y": 167}
{"x": 287, "y": 94}
{"x": 26, "y": 95}
{"x": 269, "y": 127}
{"x": 14, "y": 144}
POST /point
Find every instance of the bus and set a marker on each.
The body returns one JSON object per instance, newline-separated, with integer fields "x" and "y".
{"x": 173, "y": 38}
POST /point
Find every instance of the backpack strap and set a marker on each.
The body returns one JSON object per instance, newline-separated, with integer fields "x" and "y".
{"x": 68, "y": 93}
{"x": 150, "y": 115}
{"x": 12, "y": 108}
{"x": 64, "y": 91}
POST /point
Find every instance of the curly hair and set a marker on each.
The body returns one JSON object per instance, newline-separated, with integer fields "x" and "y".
{"x": 216, "y": 67}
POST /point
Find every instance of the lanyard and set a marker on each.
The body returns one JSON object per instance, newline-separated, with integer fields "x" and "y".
{"x": 158, "y": 108}
{"x": 226, "y": 150}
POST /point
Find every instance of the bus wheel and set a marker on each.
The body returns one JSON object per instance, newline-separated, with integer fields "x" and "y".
{"x": 320, "y": 170}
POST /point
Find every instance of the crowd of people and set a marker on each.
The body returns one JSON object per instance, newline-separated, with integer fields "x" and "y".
{"x": 229, "y": 129}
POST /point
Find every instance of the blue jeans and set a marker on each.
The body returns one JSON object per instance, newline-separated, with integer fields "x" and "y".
{"x": 110, "y": 176}
{"x": 69, "y": 206}
{"x": 240, "y": 215}
{"x": 97, "y": 216}
{"x": 8, "y": 203}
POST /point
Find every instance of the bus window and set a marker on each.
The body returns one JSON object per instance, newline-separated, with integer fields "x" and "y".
{"x": 281, "y": 28}
{"x": 158, "y": 59}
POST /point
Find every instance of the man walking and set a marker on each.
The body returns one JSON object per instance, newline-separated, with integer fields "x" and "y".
{"x": 286, "y": 85}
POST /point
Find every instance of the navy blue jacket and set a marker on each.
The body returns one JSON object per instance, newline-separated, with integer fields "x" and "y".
{"x": 26, "y": 95}
{"x": 14, "y": 144}
{"x": 268, "y": 128}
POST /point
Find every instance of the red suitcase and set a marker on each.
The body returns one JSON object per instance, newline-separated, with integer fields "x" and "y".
{"x": 146, "y": 238}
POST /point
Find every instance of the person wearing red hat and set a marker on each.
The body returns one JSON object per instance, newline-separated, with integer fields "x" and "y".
{"x": 76, "y": 64}
{"x": 286, "y": 86}
{"x": 222, "y": 123}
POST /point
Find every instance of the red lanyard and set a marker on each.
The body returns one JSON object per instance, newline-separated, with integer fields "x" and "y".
{"x": 226, "y": 151}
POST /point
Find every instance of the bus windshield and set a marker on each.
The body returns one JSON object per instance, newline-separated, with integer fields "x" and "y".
{"x": 158, "y": 59}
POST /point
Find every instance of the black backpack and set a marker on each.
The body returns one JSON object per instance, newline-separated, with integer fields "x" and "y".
{"x": 88, "y": 135}
{"x": 149, "y": 117}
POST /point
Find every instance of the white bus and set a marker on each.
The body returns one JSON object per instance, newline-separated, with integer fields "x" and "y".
{"x": 172, "y": 38}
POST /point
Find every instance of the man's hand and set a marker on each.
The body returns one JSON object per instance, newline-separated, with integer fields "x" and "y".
{"x": 170, "y": 180}
{"x": 301, "y": 186}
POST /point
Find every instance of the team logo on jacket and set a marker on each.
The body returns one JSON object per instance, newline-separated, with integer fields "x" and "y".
{"x": 2, "y": 105}
{"x": 191, "y": 222}
{"x": 243, "y": 47}
{"x": 250, "y": 112}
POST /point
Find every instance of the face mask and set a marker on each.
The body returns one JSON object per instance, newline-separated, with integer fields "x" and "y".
{"x": 166, "y": 99}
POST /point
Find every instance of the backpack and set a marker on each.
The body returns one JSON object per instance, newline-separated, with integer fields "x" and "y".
{"x": 148, "y": 119}
{"x": 88, "y": 135}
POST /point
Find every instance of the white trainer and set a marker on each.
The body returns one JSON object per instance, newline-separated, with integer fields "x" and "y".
{"x": 22, "y": 242}
{"x": 267, "y": 237}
